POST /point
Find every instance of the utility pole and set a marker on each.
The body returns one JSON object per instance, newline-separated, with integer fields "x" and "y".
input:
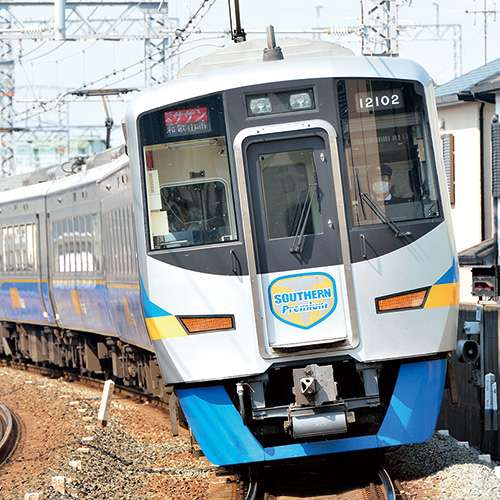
{"x": 486, "y": 13}
{"x": 7, "y": 91}
{"x": 75, "y": 21}
{"x": 379, "y": 25}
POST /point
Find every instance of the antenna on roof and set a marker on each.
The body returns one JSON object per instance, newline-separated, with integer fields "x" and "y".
{"x": 238, "y": 35}
{"x": 272, "y": 52}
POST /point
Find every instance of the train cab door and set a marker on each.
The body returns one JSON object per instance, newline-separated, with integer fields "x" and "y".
{"x": 297, "y": 240}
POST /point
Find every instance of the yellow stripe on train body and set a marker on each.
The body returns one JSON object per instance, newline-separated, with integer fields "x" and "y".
{"x": 165, "y": 327}
{"x": 16, "y": 301}
{"x": 443, "y": 295}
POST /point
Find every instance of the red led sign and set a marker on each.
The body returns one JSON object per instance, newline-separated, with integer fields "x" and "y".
{"x": 184, "y": 116}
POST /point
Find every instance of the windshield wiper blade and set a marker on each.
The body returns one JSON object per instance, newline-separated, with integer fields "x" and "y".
{"x": 365, "y": 197}
{"x": 298, "y": 240}
{"x": 360, "y": 195}
{"x": 383, "y": 216}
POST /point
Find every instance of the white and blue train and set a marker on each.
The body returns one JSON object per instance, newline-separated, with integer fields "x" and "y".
{"x": 274, "y": 243}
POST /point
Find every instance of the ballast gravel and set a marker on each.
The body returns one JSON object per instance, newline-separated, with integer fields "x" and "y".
{"x": 65, "y": 454}
{"x": 444, "y": 468}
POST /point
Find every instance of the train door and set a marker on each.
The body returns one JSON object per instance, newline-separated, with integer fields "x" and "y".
{"x": 297, "y": 241}
{"x": 50, "y": 267}
{"x": 39, "y": 257}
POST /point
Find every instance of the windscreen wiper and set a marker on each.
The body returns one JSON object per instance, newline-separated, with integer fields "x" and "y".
{"x": 366, "y": 198}
{"x": 298, "y": 240}
{"x": 384, "y": 217}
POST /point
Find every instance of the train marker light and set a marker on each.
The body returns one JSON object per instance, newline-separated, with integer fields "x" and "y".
{"x": 409, "y": 300}
{"x": 203, "y": 324}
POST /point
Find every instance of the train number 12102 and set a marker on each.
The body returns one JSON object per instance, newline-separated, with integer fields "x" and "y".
{"x": 378, "y": 100}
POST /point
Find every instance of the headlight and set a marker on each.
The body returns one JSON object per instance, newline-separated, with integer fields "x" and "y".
{"x": 260, "y": 106}
{"x": 301, "y": 101}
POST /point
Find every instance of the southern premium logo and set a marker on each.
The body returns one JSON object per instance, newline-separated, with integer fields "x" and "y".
{"x": 303, "y": 300}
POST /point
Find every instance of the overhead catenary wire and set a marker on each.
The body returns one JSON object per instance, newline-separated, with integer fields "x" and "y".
{"x": 181, "y": 36}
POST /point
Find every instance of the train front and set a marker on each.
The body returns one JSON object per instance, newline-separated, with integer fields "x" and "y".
{"x": 298, "y": 270}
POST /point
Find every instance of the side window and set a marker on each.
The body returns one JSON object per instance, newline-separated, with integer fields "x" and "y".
{"x": 187, "y": 181}
{"x": 23, "y": 242}
{"x": 89, "y": 244}
{"x": 31, "y": 247}
{"x": 3, "y": 249}
{"x": 76, "y": 245}
{"x": 83, "y": 246}
{"x": 134, "y": 271}
{"x": 10, "y": 251}
{"x": 96, "y": 240}
{"x": 189, "y": 194}
{"x": 17, "y": 249}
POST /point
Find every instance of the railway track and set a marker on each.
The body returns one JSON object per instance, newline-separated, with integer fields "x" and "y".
{"x": 316, "y": 479}
{"x": 330, "y": 479}
{"x": 9, "y": 433}
{"x": 87, "y": 381}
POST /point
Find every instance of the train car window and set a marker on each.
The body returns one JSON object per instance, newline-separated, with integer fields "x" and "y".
{"x": 23, "y": 248}
{"x": 134, "y": 271}
{"x": 5, "y": 249}
{"x": 17, "y": 249}
{"x": 2, "y": 250}
{"x": 83, "y": 246}
{"x": 76, "y": 242}
{"x": 123, "y": 237}
{"x": 32, "y": 247}
{"x": 5, "y": 240}
{"x": 74, "y": 245}
{"x": 291, "y": 174}
{"x": 128, "y": 240}
{"x": 96, "y": 243}
{"x": 89, "y": 244}
{"x": 189, "y": 193}
{"x": 10, "y": 247}
{"x": 55, "y": 245}
{"x": 388, "y": 151}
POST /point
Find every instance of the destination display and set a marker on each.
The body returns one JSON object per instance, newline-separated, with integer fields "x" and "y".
{"x": 187, "y": 121}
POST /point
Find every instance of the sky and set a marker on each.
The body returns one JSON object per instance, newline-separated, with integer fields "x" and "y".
{"x": 46, "y": 70}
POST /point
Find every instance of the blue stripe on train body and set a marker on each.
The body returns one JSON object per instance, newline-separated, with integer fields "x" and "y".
{"x": 95, "y": 307}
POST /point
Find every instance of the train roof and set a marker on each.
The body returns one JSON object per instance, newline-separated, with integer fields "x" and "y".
{"x": 238, "y": 54}
{"x": 196, "y": 84}
{"x": 97, "y": 168}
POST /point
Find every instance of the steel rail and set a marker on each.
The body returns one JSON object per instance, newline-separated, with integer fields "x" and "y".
{"x": 252, "y": 491}
{"x": 8, "y": 433}
{"x": 387, "y": 484}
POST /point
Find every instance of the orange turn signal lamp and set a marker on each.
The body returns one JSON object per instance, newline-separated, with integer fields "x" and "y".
{"x": 203, "y": 324}
{"x": 403, "y": 301}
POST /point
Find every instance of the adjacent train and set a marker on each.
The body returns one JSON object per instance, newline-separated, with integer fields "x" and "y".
{"x": 273, "y": 242}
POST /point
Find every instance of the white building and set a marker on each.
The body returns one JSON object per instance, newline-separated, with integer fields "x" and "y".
{"x": 466, "y": 107}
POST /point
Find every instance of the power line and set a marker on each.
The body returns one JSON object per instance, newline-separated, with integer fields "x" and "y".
{"x": 486, "y": 13}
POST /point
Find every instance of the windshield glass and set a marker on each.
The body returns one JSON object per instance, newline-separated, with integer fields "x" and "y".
{"x": 189, "y": 193}
{"x": 288, "y": 180}
{"x": 388, "y": 150}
